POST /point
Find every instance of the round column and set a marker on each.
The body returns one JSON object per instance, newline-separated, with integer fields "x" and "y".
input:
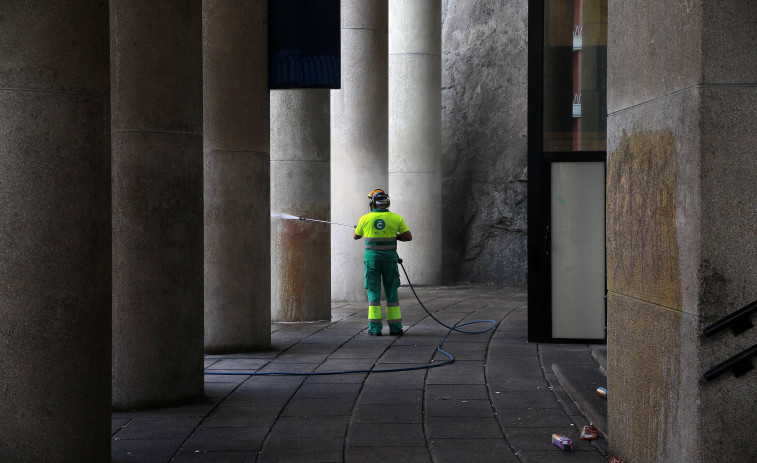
{"x": 300, "y": 277}
{"x": 415, "y": 132}
{"x": 359, "y": 128}
{"x": 55, "y": 286}
{"x": 237, "y": 176}
{"x": 157, "y": 202}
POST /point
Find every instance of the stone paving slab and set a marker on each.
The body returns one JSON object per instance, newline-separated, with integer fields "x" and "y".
{"x": 117, "y": 423}
{"x": 381, "y": 396}
{"x": 345, "y": 364}
{"x": 319, "y": 407}
{"x": 259, "y": 397}
{"x": 535, "y": 418}
{"x": 386, "y": 435}
{"x": 300, "y": 449}
{"x": 464, "y": 350}
{"x": 238, "y": 364}
{"x": 496, "y": 399}
{"x": 472, "y": 450}
{"x": 242, "y": 417}
{"x": 418, "y": 339}
{"x": 219, "y": 390}
{"x": 456, "y": 391}
{"x": 158, "y": 427}
{"x": 224, "y": 379}
{"x": 524, "y": 399}
{"x": 208, "y": 439}
{"x": 462, "y": 427}
{"x": 458, "y": 408}
{"x": 334, "y": 340}
{"x": 459, "y": 372}
{"x": 406, "y": 354}
{"x": 388, "y": 414}
{"x": 523, "y": 438}
{"x": 397, "y": 380}
{"x": 388, "y": 454}
{"x": 309, "y": 426}
{"x": 568, "y": 354}
{"x": 216, "y": 457}
{"x": 558, "y": 456}
{"x": 499, "y": 347}
{"x": 144, "y": 450}
{"x": 516, "y": 373}
{"x": 328, "y": 391}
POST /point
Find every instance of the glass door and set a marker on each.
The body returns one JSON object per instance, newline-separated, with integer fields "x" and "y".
{"x": 566, "y": 166}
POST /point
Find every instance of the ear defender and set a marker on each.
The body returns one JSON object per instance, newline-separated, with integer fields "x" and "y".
{"x": 378, "y": 199}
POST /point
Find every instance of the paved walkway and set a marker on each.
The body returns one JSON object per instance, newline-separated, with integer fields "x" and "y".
{"x": 499, "y": 401}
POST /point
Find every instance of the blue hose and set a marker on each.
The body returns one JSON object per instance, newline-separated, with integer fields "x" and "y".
{"x": 450, "y": 329}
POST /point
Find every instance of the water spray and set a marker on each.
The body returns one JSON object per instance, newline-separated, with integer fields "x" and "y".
{"x": 324, "y": 221}
{"x": 280, "y": 215}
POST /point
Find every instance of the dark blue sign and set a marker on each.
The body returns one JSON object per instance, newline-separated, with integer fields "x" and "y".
{"x": 303, "y": 44}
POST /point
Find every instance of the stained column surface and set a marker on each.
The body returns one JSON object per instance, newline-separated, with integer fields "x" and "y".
{"x": 236, "y": 176}
{"x": 300, "y": 264}
{"x": 681, "y": 242}
{"x": 157, "y": 202}
{"x": 415, "y": 132}
{"x": 55, "y": 238}
{"x": 358, "y": 137}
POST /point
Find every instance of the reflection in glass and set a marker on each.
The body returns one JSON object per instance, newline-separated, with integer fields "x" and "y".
{"x": 575, "y": 75}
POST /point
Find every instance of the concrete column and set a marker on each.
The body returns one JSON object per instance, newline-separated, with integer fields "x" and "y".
{"x": 300, "y": 277}
{"x": 415, "y": 132}
{"x": 237, "y": 176}
{"x": 55, "y": 286}
{"x": 359, "y": 131}
{"x": 157, "y": 202}
{"x": 681, "y": 215}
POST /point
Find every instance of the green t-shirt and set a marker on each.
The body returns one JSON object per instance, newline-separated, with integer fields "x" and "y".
{"x": 380, "y": 228}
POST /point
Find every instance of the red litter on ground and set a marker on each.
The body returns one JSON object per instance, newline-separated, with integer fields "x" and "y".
{"x": 589, "y": 433}
{"x": 616, "y": 460}
{"x": 562, "y": 442}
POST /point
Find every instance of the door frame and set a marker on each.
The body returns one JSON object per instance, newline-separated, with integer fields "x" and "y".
{"x": 539, "y": 215}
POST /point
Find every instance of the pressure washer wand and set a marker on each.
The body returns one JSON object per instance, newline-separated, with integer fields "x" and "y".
{"x": 324, "y": 221}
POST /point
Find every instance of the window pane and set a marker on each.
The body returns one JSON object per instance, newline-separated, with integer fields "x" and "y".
{"x": 575, "y": 75}
{"x": 578, "y": 250}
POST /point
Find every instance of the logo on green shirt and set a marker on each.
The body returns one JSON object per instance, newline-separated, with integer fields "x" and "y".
{"x": 379, "y": 224}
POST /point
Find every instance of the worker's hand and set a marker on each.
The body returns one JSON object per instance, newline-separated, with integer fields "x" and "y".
{"x": 356, "y": 237}
{"x": 406, "y": 236}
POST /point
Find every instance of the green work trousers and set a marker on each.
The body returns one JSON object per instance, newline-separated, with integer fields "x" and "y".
{"x": 377, "y": 271}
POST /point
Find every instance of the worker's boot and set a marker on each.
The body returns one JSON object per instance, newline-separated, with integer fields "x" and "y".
{"x": 374, "y": 328}
{"x": 395, "y": 329}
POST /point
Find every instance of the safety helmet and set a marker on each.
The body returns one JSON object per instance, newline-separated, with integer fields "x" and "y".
{"x": 378, "y": 199}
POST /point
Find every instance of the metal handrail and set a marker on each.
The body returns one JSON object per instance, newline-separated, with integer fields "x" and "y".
{"x": 739, "y": 364}
{"x": 738, "y": 321}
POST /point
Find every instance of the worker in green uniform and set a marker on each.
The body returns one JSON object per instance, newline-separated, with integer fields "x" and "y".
{"x": 382, "y": 229}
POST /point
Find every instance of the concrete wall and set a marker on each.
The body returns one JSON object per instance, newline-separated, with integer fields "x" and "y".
{"x": 681, "y": 242}
{"x": 484, "y": 108}
{"x": 55, "y": 238}
{"x": 236, "y": 175}
{"x": 156, "y": 54}
{"x": 300, "y": 251}
{"x": 415, "y": 133}
{"x": 358, "y": 137}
